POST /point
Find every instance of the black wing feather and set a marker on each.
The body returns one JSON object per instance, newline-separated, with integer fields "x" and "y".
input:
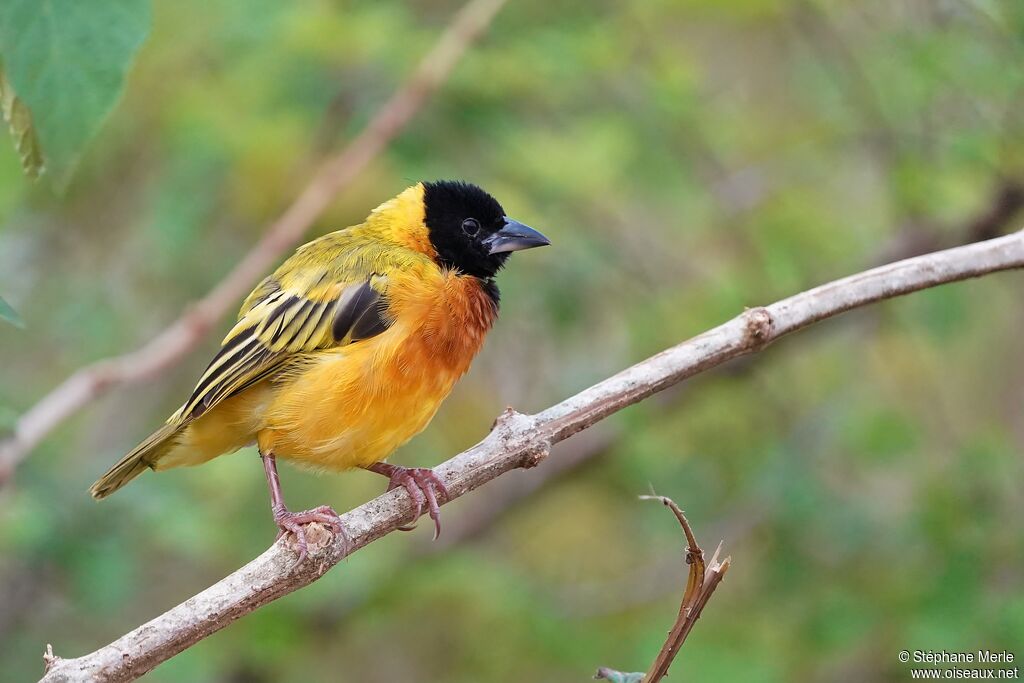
{"x": 293, "y": 325}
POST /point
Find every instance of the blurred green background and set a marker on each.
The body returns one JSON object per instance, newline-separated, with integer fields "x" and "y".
{"x": 687, "y": 159}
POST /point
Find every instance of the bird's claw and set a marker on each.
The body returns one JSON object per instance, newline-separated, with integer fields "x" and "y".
{"x": 423, "y": 486}
{"x": 295, "y": 523}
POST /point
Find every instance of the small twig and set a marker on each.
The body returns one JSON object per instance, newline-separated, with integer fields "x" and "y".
{"x": 332, "y": 176}
{"x": 49, "y": 659}
{"x": 701, "y": 582}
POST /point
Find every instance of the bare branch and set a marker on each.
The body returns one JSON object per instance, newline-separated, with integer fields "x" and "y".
{"x": 701, "y": 582}
{"x": 519, "y": 440}
{"x": 331, "y": 177}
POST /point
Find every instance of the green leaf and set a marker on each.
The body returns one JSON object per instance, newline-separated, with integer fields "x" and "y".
{"x": 66, "y": 60}
{"x": 9, "y": 314}
{"x": 19, "y": 121}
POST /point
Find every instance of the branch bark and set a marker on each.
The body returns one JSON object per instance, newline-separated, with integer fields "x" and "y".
{"x": 517, "y": 441}
{"x": 332, "y": 177}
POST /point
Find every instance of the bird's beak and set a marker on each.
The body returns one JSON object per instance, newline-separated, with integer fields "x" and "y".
{"x": 514, "y": 237}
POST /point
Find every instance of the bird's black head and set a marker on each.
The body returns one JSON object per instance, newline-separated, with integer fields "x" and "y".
{"x": 469, "y": 229}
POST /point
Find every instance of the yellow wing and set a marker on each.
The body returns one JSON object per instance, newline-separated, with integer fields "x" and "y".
{"x": 323, "y": 297}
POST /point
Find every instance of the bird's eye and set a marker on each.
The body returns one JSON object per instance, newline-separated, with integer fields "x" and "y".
{"x": 471, "y": 226}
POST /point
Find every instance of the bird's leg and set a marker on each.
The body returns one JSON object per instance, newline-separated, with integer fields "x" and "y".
{"x": 423, "y": 486}
{"x": 295, "y": 522}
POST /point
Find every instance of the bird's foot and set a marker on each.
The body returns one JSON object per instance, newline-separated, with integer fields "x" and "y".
{"x": 295, "y": 523}
{"x": 423, "y": 486}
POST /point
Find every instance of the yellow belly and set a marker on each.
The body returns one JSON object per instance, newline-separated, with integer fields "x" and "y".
{"x": 355, "y": 406}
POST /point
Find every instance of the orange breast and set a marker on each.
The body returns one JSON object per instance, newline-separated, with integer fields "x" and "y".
{"x": 354, "y": 406}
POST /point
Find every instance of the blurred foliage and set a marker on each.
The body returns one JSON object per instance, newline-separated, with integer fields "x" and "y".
{"x": 8, "y": 314}
{"x": 687, "y": 158}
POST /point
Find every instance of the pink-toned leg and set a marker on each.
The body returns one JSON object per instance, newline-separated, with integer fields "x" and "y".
{"x": 423, "y": 486}
{"x": 294, "y": 522}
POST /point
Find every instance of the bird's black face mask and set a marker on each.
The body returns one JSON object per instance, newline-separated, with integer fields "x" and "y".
{"x": 469, "y": 229}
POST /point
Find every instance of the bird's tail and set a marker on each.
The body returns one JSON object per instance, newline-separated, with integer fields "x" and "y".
{"x": 141, "y": 457}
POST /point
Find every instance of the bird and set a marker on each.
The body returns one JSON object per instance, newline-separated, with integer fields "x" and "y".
{"x": 348, "y": 349}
